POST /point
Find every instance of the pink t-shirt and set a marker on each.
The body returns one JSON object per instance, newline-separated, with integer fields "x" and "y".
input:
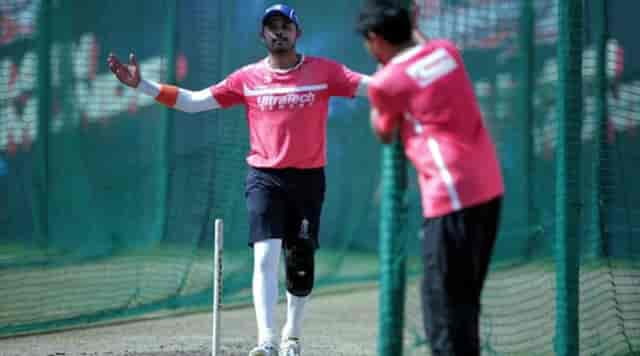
{"x": 427, "y": 92}
{"x": 287, "y": 110}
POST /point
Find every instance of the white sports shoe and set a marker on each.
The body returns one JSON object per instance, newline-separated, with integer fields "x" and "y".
{"x": 290, "y": 347}
{"x": 264, "y": 349}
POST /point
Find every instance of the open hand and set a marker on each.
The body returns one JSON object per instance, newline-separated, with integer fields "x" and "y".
{"x": 127, "y": 74}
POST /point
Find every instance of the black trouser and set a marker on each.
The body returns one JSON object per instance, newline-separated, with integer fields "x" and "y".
{"x": 457, "y": 251}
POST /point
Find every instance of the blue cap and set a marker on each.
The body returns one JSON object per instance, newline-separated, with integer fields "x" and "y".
{"x": 281, "y": 9}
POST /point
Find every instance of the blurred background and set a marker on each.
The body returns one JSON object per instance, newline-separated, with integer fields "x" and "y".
{"x": 107, "y": 200}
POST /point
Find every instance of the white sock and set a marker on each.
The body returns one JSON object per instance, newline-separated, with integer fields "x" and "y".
{"x": 266, "y": 257}
{"x": 295, "y": 311}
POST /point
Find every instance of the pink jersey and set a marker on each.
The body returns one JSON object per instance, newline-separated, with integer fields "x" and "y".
{"x": 427, "y": 92}
{"x": 287, "y": 110}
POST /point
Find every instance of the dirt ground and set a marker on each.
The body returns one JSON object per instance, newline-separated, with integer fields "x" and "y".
{"x": 342, "y": 324}
{"x": 519, "y": 317}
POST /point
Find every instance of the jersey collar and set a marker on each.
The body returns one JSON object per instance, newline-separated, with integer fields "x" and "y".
{"x": 283, "y": 71}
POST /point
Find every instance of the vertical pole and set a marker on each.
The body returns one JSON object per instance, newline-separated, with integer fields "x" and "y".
{"x": 44, "y": 114}
{"x": 65, "y": 24}
{"x": 392, "y": 250}
{"x": 171, "y": 42}
{"x": 527, "y": 88}
{"x": 568, "y": 205}
{"x": 392, "y": 246}
{"x": 601, "y": 111}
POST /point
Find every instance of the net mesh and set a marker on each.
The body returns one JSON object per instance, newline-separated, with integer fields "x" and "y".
{"x": 107, "y": 202}
{"x": 519, "y": 301}
{"x": 108, "y": 214}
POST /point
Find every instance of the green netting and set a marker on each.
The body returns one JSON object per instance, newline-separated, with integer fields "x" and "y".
{"x": 107, "y": 202}
{"x": 521, "y": 314}
{"x": 108, "y": 212}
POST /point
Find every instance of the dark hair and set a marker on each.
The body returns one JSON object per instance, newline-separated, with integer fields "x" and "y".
{"x": 387, "y": 20}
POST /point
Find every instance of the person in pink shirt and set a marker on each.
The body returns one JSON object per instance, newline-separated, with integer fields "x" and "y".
{"x": 423, "y": 91}
{"x": 286, "y": 97}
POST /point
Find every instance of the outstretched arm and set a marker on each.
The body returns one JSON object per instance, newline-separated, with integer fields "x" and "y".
{"x": 169, "y": 95}
{"x": 178, "y": 98}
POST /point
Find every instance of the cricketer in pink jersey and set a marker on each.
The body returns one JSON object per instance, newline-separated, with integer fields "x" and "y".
{"x": 287, "y": 110}
{"x": 423, "y": 91}
{"x": 426, "y": 93}
{"x": 286, "y": 97}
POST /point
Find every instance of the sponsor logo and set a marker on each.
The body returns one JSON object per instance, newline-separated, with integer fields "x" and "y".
{"x": 289, "y": 101}
{"x": 284, "y": 98}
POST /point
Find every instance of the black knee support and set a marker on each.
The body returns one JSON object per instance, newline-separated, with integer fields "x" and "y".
{"x": 299, "y": 260}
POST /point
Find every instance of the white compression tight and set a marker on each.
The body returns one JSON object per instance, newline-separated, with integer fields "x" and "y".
{"x": 295, "y": 311}
{"x": 265, "y": 293}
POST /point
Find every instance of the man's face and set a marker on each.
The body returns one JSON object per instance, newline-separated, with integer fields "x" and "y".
{"x": 279, "y": 34}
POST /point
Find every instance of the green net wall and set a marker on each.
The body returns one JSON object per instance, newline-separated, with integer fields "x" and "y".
{"x": 107, "y": 200}
{"x": 516, "y": 81}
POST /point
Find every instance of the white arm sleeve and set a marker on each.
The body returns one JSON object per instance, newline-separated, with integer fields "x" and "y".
{"x": 363, "y": 86}
{"x": 148, "y": 87}
{"x": 196, "y": 101}
{"x": 188, "y": 101}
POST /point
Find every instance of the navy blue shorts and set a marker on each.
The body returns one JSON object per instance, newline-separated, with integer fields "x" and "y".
{"x": 283, "y": 203}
